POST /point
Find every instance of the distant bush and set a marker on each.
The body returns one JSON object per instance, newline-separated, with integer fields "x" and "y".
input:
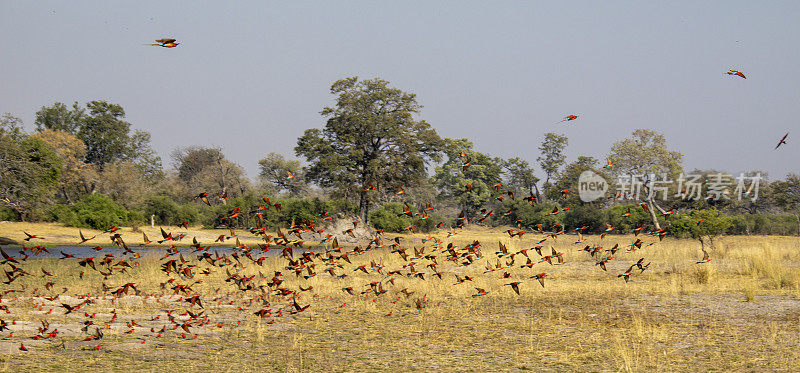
{"x": 386, "y": 218}
{"x": 765, "y": 224}
{"x": 783, "y": 225}
{"x": 299, "y": 209}
{"x": 167, "y": 212}
{"x": 95, "y": 211}
{"x": 626, "y": 224}
{"x": 292, "y": 209}
{"x": 215, "y": 216}
{"x": 587, "y": 215}
{"x": 698, "y": 223}
{"x": 529, "y": 215}
{"x": 7, "y": 214}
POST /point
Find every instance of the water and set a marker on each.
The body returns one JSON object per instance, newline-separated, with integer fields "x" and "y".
{"x": 90, "y": 252}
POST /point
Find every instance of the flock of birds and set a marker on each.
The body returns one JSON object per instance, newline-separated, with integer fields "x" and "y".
{"x": 268, "y": 296}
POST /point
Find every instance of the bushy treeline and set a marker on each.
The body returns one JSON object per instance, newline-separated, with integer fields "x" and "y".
{"x": 85, "y": 166}
{"x": 99, "y": 211}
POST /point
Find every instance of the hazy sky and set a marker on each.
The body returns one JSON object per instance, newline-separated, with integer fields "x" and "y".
{"x": 250, "y": 77}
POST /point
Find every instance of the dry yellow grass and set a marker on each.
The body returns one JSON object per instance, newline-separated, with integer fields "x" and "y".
{"x": 57, "y": 234}
{"x": 741, "y": 311}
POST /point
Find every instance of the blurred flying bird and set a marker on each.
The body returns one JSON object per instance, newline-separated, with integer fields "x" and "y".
{"x": 783, "y": 140}
{"x": 166, "y": 43}
{"x": 568, "y": 118}
{"x": 737, "y": 73}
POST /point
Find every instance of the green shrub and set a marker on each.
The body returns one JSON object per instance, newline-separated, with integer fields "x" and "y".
{"x": 7, "y": 214}
{"x": 714, "y": 223}
{"x": 763, "y": 224}
{"x": 385, "y": 217}
{"x": 586, "y": 215}
{"x": 216, "y": 216}
{"x": 292, "y": 209}
{"x": 95, "y": 211}
{"x": 784, "y": 225}
{"x": 529, "y": 215}
{"x": 740, "y": 224}
{"x": 760, "y": 223}
{"x": 58, "y": 213}
{"x": 167, "y": 212}
{"x": 626, "y": 224}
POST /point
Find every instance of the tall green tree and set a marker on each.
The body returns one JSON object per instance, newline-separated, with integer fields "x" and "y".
{"x": 568, "y": 178}
{"x": 29, "y": 169}
{"x": 202, "y": 169}
{"x": 191, "y": 160}
{"x": 105, "y": 133}
{"x": 274, "y": 170}
{"x": 59, "y": 117}
{"x": 452, "y": 177}
{"x": 107, "y": 136}
{"x": 551, "y": 156}
{"x": 715, "y": 223}
{"x": 11, "y": 126}
{"x": 370, "y": 137}
{"x": 519, "y": 176}
{"x": 786, "y": 195}
{"x": 77, "y": 177}
{"x": 646, "y": 153}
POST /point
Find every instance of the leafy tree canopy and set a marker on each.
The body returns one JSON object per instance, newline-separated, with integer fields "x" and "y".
{"x": 274, "y": 170}
{"x": 645, "y": 152}
{"x": 551, "y": 156}
{"x": 452, "y": 177}
{"x": 519, "y": 175}
{"x": 29, "y": 169}
{"x": 370, "y": 137}
{"x": 108, "y": 138}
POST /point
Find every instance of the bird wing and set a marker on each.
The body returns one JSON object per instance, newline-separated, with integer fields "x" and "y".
{"x": 782, "y": 140}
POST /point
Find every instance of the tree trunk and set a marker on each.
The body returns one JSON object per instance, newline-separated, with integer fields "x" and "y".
{"x": 652, "y": 209}
{"x": 66, "y": 195}
{"x": 222, "y": 174}
{"x": 538, "y": 195}
{"x": 652, "y": 206}
{"x": 545, "y": 186}
{"x": 363, "y": 207}
{"x": 797, "y": 215}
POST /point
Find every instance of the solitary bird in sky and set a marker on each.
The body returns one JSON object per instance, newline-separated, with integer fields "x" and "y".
{"x": 166, "y": 43}
{"x": 568, "y": 118}
{"x": 736, "y": 72}
{"x": 783, "y": 140}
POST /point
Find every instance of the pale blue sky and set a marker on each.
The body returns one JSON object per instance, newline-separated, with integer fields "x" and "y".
{"x": 251, "y": 76}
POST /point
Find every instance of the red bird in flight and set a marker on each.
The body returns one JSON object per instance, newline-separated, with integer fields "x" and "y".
{"x": 568, "y": 118}
{"x": 736, "y": 72}
{"x": 166, "y": 43}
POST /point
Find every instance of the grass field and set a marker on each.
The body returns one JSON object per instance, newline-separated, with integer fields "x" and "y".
{"x": 56, "y": 234}
{"x": 740, "y": 311}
